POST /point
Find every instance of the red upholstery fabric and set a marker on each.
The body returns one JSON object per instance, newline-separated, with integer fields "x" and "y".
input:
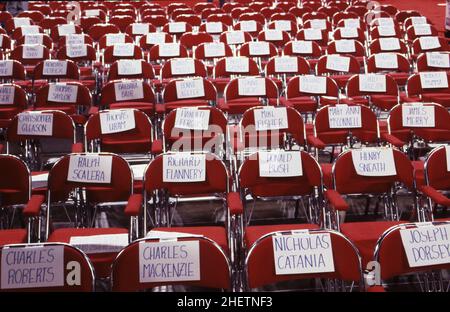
{"x": 253, "y": 233}
{"x": 16, "y": 236}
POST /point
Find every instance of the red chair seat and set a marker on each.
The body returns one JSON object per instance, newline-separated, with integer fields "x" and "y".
{"x": 101, "y": 261}
{"x": 361, "y": 100}
{"x": 341, "y": 80}
{"x": 365, "y": 235}
{"x": 147, "y": 108}
{"x": 400, "y": 77}
{"x": 135, "y": 145}
{"x": 239, "y": 106}
{"x": 184, "y": 103}
{"x": 15, "y": 236}
{"x": 440, "y": 98}
{"x": 302, "y": 104}
{"x": 384, "y": 102}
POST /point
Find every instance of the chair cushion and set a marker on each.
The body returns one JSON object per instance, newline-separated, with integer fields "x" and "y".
{"x": 15, "y": 236}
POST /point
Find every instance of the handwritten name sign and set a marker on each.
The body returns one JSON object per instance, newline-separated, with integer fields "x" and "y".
{"x": 6, "y": 68}
{"x": 235, "y": 37}
{"x": 177, "y": 27}
{"x": 422, "y": 30}
{"x": 32, "y": 267}
{"x": 214, "y": 49}
{"x": 34, "y": 39}
{"x": 129, "y": 67}
{"x": 190, "y": 88}
{"x": 29, "y": 30}
{"x": 386, "y": 31}
{"x": 417, "y": 20}
{"x": 270, "y": 118}
{"x": 115, "y": 121}
{"x": 429, "y": 43}
{"x": 113, "y": 39}
{"x": 184, "y": 167}
{"x": 62, "y": 93}
{"x": 123, "y": 49}
{"x": 384, "y": 21}
{"x": 439, "y": 60}
{"x": 252, "y": 86}
{"x": 447, "y": 156}
{"x": 302, "y": 47}
{"x": 273, "y": 35}
{"x": 129, "y": 90}
{"x": 286, "y": 64}
{"x": 338, "y": 63}
{"x": 213, "y": 27}
{"x": 313, "y": 84}
{"x": 139, "y": 29}
{"x": 280, "y": 164}
{"x": 426, "y": 245}
{"x": 7, "y": 94}
{"x": 33, "y": 52}
{"x": 433, "y": 80}
{"x": 259, "y": 48}
{"x": 21, "y": 21}
{"x": 90, "y": 169}
{"x": 169, "y": 261}
{"x": 372, "y": 83}
{"x": 302, "y": 253}
{"x": 35, "y": 123}
{"x": 75, "y": 39}
{"x": 345, "y": 46}
{"x": 237, "y": 65}
{"x": 312, "y": 34}
{"x": 96, "y": 244}
{"x": 192, "y": 118}
{"x": 318, "y": 24}
{"x": 418, "y": 115}
{"x": 169, "y": 49}
{"x": 155, "y": 38}
{"x": 352, "y": 23}
{"x": 347, "y": 32}
{"x": 76, "y": 50}
{"x": 182, "y": 66}
{"x": 386, "y": 60}
{"x": 344, "y": 116}
{"x": 54, "y": 68}
{"x": 249, "y": 26}
{"x": 66, "y": 29}
{"x": 92, "y": 13}
{"x": 374, "y": 162}
{"x": 389, "y": 44}
{"x": 283, "y": 25}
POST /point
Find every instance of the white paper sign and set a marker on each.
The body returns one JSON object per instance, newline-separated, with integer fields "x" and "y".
{"x": 155, "y": 38}
{"x": 347, "y": 32}
{"x": 29, "y": 30}
{"x": 129, "y": 67}
{"x": 192, "y": 118}
{"x": 32, "y": 267}
{"x": 115, "y": 121}
{"x": 235, "y": 37}
{"x": 123, "y": 49}
{"x": 259, "y": 48}
{"x": 66, "y": 29}
{"x": 75, "y": 39}
{"x": 184, "y": 167}
{"x": 352, "y": 23}
{"x": 345, "y": 46}
{"x": 438, "y": 60}
{"x": 338, "y": 63}
{"x": 312, "y": 34}
{"x": 433, "y": 80}
{"x": 33, "y": 51}
{"x": 140, "y": 29}
{"x": 62, "y": 93}
{"x": 273, "y": 35}
{"x": 90, "y": 169}
{"x": 34, "y": 39}
{"x": 386, "y": 60}
{"x": 214, "y": 27}
{"x": 214, "y": 49}
{"x": 384, "y": 21}
{"x": 417, "y": 20}
{"x": 7, "y": 94}
{"x": 372, "y": 83}
{"x": 96, "y": 244}
{"x": 169, "y": 49}
{"x": 92, "y": 13}
{"x": 302, "y": 47}
{"x": 129, "y": 90}
{"x": 389, "y": 44}
{"x": 177, "y": 27}
{"x": 252, "y": 86}
{"x": 190, "y": 88}
{"x": 169, "y": 261}
{"x": 426, "y": 245}
{"x": 422, "y": 30}
{"x": 302, "y": 253}
{"x": 249, "y": 26}
{"x": 54, "y": 68}
{"x": 447, "y": 156}
{"x": 6, "y": 68}
{"x": 283, "y": 25}
{"x": 386, "y": 31}
{"x": 318, "y": 23}
{"x": 35, "y": 123}
{"x": 286, "y": 64}
{"x": 237, "y": 65}
{"x": 21, "y": 21}
{"x": 418, "y": 115}
{"x": 182, "y": 66}
{"x": 270, "y": 118}
{"x": 374, "y": 162}
{"x": 112, "y": 39}
{"x": 280, "y": 163}
{"x": 76, "y": 50}
{"x": 344, "y": 117}
{"x": 429, "y": 43}
{"x": 313, "y": 84}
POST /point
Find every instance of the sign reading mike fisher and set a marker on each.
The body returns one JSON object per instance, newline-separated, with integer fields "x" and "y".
{"x": 169, "y": 261}
{"x": 374, "y": 162}
{"x": 184, "y": 167}
{"x": 426, "y": 245}
{"x": 270, "y": 118}
{"x": 302, "y": 253}
{"x": 92, "y": 168}
{"x": 280, "y": 164}
{"x": 29, "y": 267}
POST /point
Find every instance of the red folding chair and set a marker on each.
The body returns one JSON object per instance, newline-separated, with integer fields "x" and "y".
{"x": 283, "y": 68}
{"x": 137, "y": 30}
{"x": 432, "y": 61}
{"x": 131, "y": 69}
{"x": 396, "y": 65}
{"x": 35, "y": 16}
{"x": 97, "y": 31}
{"x": 52, "y": 21}
{"x": 176, "y": 29}
{"x": 30, "y": 56}
{"x": 340, "y": 68}
{"x": 428, "y": 44}
{"x": 54, "y": 71}
{"x": 260, "y": 51}
{"x": 228, "y": 67}
{"x": 319, "y": 36}
{"x": 61, "y": 31}
{"x": 309, "y": 50}
{"x": 122, "y": 21}
{"x": 348, "y": 47}
{"x": 14, "y": 101}
{"x": 440, "y": 94}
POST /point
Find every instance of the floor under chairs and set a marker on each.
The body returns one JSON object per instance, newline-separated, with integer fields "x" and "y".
{"x": 234, "y": 136}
